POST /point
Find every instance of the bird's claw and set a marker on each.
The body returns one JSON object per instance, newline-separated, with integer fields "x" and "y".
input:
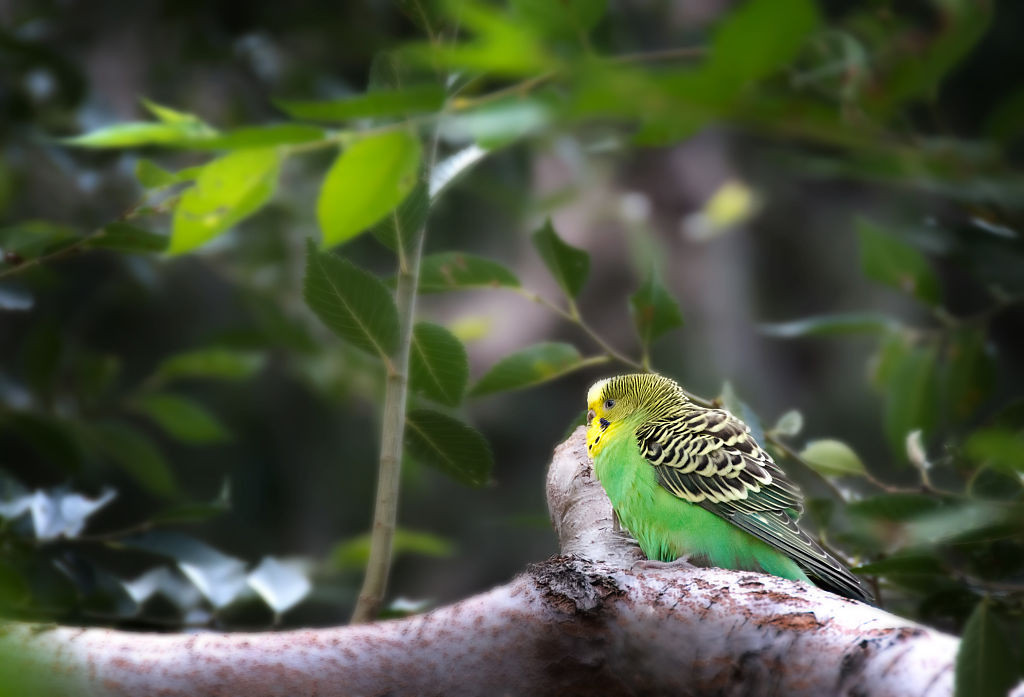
{"x": 654, "y": 565}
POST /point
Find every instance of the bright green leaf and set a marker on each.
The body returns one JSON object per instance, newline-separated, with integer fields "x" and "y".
{"x": 395, "y": 102}
{"x": 169, "y": 115}
{"x": 832, "y": 458}
{"x": 355, "y": 552}
{"x": 153, "y": 176}
{"x": 821, "y": 325}
{"x": 264, "y": 137}
{"x": 213, "y": 363}
{"x": 528, "y": 367}
{"x": 654, "y": 310}
{"x": 567, "y": 264}
{"x": 892, "y": 261}
{"x": 985, "y": 666}
{"x": 135, "y": 454}
{"x": 353, "y": 303}
{"x": 227, "y": 190}
{"x": 367, "y": 181}
{"x": 122, "y": 237}
{"x": 458, "y": 271}
{"x": 182, "y": 418}
{"x": 136, "y": 133}
{"x": 448, "y": 445}
{"x": 438, "y": 365}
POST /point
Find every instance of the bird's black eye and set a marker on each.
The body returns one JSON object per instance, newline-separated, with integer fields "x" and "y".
{"x": 609, "y": 403}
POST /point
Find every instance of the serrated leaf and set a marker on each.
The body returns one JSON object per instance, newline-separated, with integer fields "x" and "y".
{"x": 355, "y": 552}
{"x": 567, "y": 264}
{"x": 438, "y": 364}
{"x": 392, "y": 102}
{"x": 832, "y": 458}
{"x": 352, "y": 303}
{"x": 135, "y": 454}
{"x": 985, "y": 665}
{"x": 449, "y": 445}
{"x": 654, "y": 310}
{"x": 528, "y": 367}
{"x": 822, "y": 325}
{"x": 227, "y": 191}
{"x": 367, "y": 181}
{"x": 182, "y": 418}
{"x": 892, "y": 261}
{"x": 789, "y": 424}
{"x": 122, "y": 237}
{"x": 459, "y": 271}
{"x": 214, "y": 363}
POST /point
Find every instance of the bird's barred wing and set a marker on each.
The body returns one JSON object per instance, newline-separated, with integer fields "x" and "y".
{"x": 708, "y": 457}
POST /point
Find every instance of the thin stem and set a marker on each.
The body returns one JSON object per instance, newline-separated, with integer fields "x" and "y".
{"x": 385, "y": 511}
{"x": 72, "y": 248}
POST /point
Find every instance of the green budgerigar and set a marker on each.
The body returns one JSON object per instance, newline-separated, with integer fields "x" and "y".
{"x": 691, "y": 482}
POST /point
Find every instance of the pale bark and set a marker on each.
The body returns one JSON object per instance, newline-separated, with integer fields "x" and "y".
{"x": 588, "y": 622}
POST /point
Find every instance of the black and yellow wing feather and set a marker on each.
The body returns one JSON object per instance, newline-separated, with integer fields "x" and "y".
{"x": 709, "y": 458}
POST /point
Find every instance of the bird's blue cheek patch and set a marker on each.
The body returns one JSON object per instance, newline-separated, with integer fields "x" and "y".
{"x": 605, "y": 424}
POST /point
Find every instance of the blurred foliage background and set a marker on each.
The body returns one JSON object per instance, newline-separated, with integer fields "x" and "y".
{"x": 788, "y": 205}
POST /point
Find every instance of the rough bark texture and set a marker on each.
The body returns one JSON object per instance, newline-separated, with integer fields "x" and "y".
{"x": 585, "y": 623}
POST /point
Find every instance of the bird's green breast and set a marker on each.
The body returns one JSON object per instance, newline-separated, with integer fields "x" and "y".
{"x": 667, "y": 527}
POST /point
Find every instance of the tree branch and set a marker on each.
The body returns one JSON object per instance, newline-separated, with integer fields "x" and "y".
{"x": 587, "y": 622}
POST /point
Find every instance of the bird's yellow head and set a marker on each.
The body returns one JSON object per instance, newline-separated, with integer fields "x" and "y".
{"x": 613, "y": 401}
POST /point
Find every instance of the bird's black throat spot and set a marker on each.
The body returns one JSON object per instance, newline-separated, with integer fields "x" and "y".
{"x": 605, "y": 424}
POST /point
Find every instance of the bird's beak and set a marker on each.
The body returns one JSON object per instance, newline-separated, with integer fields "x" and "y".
{"x": 590, "y": 416}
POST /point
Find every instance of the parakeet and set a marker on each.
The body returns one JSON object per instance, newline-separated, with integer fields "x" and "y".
{"x": 688, "y": 481}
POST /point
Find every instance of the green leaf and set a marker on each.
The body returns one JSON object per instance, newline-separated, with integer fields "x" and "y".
{"x": 740, "y": 409}
{"x": 528, "y": 367}
{"x": 895, "y": 507}
{"x": 268, "y": 136}
{"x": 196, "y": 511}
{"x": 367, "y": 181}
{"x": 227, "y": 190}
{"x": 447, "y": 444}
{"x": 438, "y": 365}
{"x": 822, "y": 325}
{"x": 968, "y": 373}
{"x": 567, "y": 18}
{"x": 895, "y": 263}
{"x": 394, "y": 102}
{"x": 654, "y": 310}
{"x": 399, "y": 227}
{"x": 54, "y": 440}
{"x": 832, "y": 458}
{"x": 213, "y": 363}
{"x": 452, "y": 168}
{"x": 911, "y": 393}
{"x": 499, "y": 123}
{"x": 999, "y": 448}
{"x": 567, "y": 264}
{"x": 984, "y": 663}
{"x": 122, "y": 237}
{"x": 182, "y": 418}
{"x": 33, "y": 238}
{"x": 355, "y": 552}
{"x": 919, "y": 564}
{"x": 152, "y": 176}
{"x": 169, "y": 115}
{"x": 135, "y": 454}
{"x": 459, "y": 271}
{"x": 743, "y": 51}
{"x": 789, "y": 424}
{"x": 964, "y": 521}
{"x": 353, "y": 303}
{"x": 137, "y": 133}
